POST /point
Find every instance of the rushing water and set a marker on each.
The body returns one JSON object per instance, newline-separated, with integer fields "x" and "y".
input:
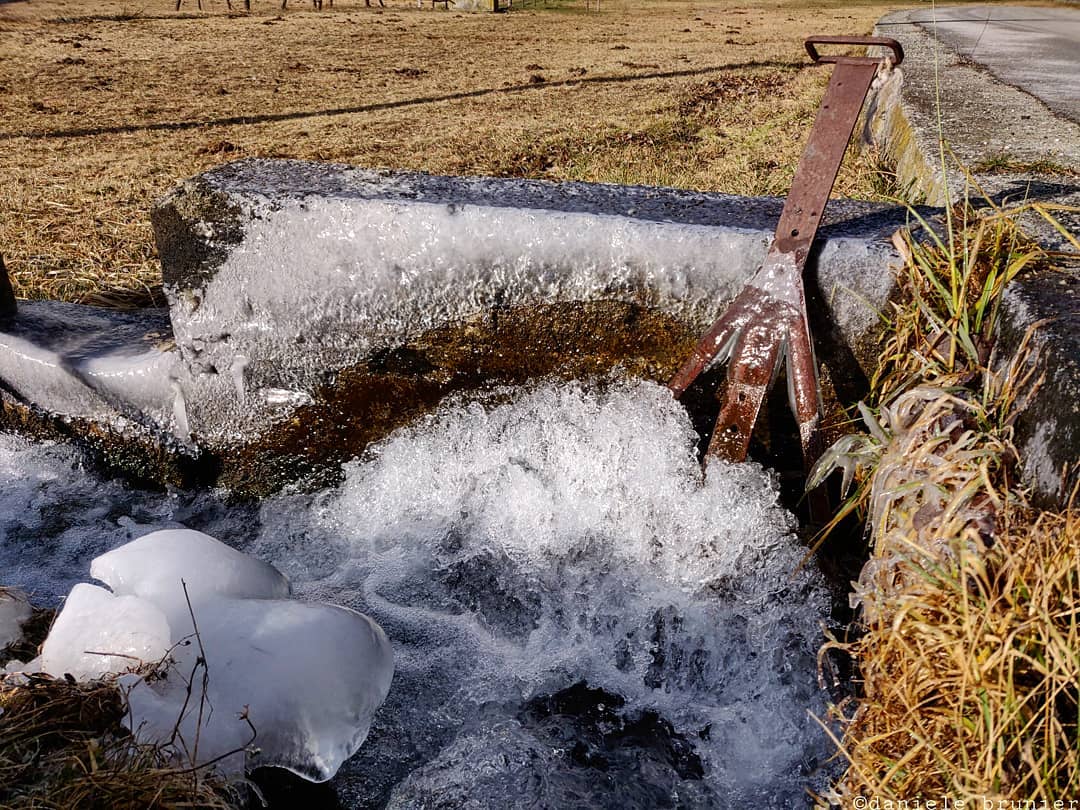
{"x": 578, "y": 618}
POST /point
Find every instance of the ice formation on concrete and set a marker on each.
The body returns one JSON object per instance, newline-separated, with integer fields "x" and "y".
{"x": 14, "y": 610}
{"x": 377, "y": 273}
{"x": 295, "y": 683}
{"x": 290, "y": 271}
{"x": 84, "y": 361}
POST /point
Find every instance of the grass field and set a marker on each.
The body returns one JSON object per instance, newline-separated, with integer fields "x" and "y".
{"x": 106, "y": 104}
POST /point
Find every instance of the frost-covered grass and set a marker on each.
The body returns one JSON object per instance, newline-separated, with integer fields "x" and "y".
{"x": 940, "y": 331}
{"x": 968, "y": 647}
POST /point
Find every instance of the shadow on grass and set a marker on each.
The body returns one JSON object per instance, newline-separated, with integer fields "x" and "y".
{"x": 240, "y": 120}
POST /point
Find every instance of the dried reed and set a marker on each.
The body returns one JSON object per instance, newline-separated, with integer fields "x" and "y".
{"x": 63, "y": 745}
{"x": 968, "y": 646}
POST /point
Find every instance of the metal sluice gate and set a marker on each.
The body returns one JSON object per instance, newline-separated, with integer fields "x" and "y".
{"x": 766, "y": 324}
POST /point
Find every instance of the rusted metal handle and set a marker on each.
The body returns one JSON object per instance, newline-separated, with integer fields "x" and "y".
{"x": 767, "y": 321}
{"x": 884, "y": 42}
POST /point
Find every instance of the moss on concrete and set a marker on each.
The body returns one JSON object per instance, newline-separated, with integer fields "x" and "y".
{"x": 392, "y": 388}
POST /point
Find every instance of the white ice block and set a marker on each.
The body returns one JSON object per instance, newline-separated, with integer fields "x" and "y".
{"x": 310, "y": 677}
{"x": 97, "y": 633}
{"x": 157, "y": 566}
{"x": 14, "y": 610}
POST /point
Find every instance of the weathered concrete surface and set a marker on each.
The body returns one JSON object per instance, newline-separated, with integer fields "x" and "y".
{"x": 338, "y": 265}
{"x": 314, "y": 308}
{"x": 1046, "y": 305}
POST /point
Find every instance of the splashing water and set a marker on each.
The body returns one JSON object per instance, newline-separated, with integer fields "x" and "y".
{"x": 578, "y": 618}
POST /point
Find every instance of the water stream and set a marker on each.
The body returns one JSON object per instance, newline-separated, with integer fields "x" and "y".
{"x": 579, "y": 619}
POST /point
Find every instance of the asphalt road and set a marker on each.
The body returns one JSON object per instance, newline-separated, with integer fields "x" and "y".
{"x": 1034, "y": 49}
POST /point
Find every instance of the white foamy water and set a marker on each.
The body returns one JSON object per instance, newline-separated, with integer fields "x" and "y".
{"x": 578, "y": 618}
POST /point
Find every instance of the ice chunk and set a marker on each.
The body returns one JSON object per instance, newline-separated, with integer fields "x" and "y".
{"x": 154, "y": 565}
{"x": 14, "y": 610}
{"x": 98, "y": 633}
{"x": 298, "y": 681}
{"x": 20, "y": 669}
{"x": 310, "y": 677}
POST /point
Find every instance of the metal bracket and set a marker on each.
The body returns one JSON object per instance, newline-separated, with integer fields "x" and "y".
{"x": 766, "y": 323}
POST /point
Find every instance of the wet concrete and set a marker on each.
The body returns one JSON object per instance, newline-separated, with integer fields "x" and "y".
{"x": 314, "y": 308}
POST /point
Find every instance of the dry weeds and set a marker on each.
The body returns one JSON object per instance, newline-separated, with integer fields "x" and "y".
{"x": 106, "y": 104}
{"x": 63, "y": 746}
{"x": 970, "y": 604}
{"x": 969, "y": 650}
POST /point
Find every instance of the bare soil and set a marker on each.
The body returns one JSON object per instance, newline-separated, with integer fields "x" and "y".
{"x": 105, "y": 105}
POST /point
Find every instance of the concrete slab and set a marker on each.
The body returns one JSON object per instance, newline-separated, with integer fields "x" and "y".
{"x": 103, "y": 365}
{"x": 316, "y": 307}
{"x": 336, "y": 263}
{"x": 1045, "y": 308}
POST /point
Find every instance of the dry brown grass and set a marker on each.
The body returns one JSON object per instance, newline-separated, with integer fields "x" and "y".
{"x": 969, "y": 627}
{"x": 63, "y": 747}
{"x": 969, "y": 651}
{"x": 970, "y": 661}
{"x": 106, "y": 104}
